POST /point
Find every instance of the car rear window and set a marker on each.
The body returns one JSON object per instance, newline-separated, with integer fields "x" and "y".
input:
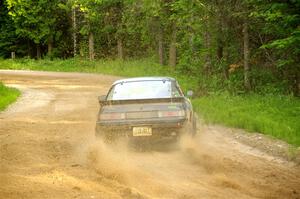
{"x": 144, "y": 90}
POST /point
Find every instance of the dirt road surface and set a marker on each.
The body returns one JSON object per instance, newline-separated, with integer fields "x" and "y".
{"x": 48, "y": 150}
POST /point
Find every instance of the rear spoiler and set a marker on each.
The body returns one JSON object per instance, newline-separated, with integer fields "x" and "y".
{"x": 138, "y": 101}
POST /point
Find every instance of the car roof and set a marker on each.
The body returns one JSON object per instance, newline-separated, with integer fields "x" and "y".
{"x": 140, "y": 79}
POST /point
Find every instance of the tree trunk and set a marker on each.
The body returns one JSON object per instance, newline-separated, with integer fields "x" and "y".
{"x": 38, "y": 51}
{"x": 172, "y": 50}
{"x": 91, "y": 46}
{"x": 13, "y": 55}
{"x": 192, "y": 36}
{"x": 160, "y": 47}
{"x": 220, "y": 31}
{"x": 50, "y": 46}
{"x": 207, "y": 43}
{"x": 296, "y": 83}
{"x": 74, "y": 32}
{"x": 222, "y": 49}
{"x": 220, "y": 45}
{"x": 191, "y": 43}
{"x": 225, "y": 65}
{"x": 120, "y": 49}
{"x": 246, "y": 57}
{"x": 28, "y": 49}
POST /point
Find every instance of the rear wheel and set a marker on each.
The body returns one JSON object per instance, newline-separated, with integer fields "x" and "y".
{"x": 191, "y": 128}
{"x": 194, "y": 126}
{"x": 106, "y": 136}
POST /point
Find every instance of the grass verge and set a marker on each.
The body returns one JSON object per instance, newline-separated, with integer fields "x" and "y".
{"x": 274, "y": 115}
{"x": 130, "y": 68}
{"x": 277, "y": 116}
{"x": 7, "y": 96}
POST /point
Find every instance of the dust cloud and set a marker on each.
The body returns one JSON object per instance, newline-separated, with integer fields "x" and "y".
{"x": 155, "y": 170}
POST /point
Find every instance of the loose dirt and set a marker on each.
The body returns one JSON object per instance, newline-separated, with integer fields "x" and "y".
{"x": 48, "y": 150}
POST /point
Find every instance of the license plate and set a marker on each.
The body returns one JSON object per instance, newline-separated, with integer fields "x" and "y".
{"x": 142, "y": 131}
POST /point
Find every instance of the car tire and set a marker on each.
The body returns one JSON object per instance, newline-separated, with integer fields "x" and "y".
{"x": 106, "y": 137}
{"x": 98, "y": 132}
{"x": 194, "y": 126}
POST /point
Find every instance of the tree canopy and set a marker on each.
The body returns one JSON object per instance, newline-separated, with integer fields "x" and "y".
{"x": 239, "y": 45}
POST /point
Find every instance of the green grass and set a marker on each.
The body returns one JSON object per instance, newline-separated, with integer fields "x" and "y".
{"x": 278, "y": 116}
{"x": 7, "y": 96}
{"x": 129, "y": 68}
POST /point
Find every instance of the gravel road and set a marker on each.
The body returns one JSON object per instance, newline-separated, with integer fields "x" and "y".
{"x": 48, "y": 150}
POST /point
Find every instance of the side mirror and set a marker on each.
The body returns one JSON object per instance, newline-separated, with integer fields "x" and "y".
{"x": 102, "y": 99}
{"x": 189, "y": 93}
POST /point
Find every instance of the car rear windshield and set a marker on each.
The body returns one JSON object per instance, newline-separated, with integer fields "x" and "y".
{"x": 144, "y": 90}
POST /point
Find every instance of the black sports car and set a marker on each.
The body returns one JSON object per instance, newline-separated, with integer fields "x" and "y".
{"x": 147, "y": 107}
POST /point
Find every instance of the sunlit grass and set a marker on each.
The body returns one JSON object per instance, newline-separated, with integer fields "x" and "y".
{"x": 7, "y": 96}
{"x": 278, "y": 116}
{"x": 128, "y": 68}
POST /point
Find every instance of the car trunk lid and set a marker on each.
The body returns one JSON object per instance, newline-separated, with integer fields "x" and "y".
{"x": 142, "y": 109}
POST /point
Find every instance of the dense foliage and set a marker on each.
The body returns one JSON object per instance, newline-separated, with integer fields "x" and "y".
{"x": 233, "y": 45}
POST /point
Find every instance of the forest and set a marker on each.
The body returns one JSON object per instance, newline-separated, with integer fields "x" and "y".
{"x": 238, "y": 46}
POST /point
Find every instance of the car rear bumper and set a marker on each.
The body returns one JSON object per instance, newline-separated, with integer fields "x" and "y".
{"x": 159, "y": 128}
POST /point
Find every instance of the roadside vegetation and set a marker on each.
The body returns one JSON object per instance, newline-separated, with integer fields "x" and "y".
{"x": 240, "y": 57}
{"x": 271, "y": 114}
{"x": 7, "y": 96}
{"x": 129, "y": 68}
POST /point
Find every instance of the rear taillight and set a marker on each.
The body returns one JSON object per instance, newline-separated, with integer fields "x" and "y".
{"x": 112, "y": 116}
{"x": 177, "y": 113}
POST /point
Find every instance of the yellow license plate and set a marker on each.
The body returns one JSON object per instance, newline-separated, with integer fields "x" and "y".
{"x": 142, "y": 131}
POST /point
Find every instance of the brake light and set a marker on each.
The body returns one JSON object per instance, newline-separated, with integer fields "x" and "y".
{"x": 176, "y": 113}
{"x": 112, "y": 116}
